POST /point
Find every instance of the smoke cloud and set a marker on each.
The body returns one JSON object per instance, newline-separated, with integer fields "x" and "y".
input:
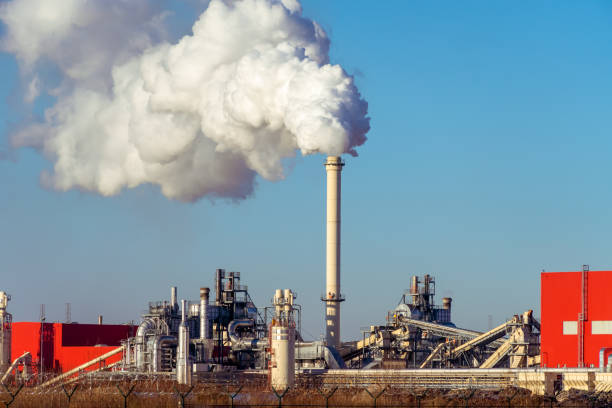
{"x": 251, "y": 86}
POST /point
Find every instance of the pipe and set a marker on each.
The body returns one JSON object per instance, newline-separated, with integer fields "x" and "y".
{"x": 333, "y": 167}
{"x": 204, "y": 330}
{"x": 25, "y": 360}
{"x": 234, "y": 324}
{"x": 145, "y": 327}
{"x": 604, "y": 354}
{"x": 157, "y": 347}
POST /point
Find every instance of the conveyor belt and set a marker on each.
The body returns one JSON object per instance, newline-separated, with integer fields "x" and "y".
{"x": 447, "y": 331}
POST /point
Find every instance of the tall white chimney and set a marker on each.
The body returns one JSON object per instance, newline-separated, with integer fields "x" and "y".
{"x": 333, "y": 297}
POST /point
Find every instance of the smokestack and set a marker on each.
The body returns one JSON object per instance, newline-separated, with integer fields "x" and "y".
{"x": 173, "y": 298}
{"x": 333, "y": 297}
{"x": 204, "y": 294}
{"x": 100, "y": 319}
{"x": 183, "y": 366}
{"x": 219, "y": 285}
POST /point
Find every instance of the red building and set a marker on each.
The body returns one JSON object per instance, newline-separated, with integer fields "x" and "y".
{"x": 66, "y": 346}
{"x": 576, "y": 317}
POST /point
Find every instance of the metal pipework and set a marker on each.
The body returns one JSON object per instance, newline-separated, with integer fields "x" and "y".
{"x": 332, "y": 298}
{"x": 204, "y": 330}
{"x": 145, "y": 327}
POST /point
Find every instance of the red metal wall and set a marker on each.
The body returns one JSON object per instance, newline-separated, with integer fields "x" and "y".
{"x": 561, "y": 301}
{"x": 66, "y": 346}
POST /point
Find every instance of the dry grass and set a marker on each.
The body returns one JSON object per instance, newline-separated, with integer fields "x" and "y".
{"x": 162, "y": 394}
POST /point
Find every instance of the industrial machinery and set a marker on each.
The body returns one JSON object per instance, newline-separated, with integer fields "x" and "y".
{"x": 420, "y": 335}
{"x": 231, "y": 333}
{"x": 6, "y": 321}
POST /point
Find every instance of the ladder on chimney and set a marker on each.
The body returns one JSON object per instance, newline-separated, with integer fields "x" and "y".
{"x": 583, "y": 316}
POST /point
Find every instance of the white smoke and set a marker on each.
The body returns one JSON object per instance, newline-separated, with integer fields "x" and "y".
{"x": 251, "y": 86}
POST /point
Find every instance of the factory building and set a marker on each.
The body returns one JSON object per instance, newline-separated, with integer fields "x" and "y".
{"x": 66, "y": 346}
{"x": 576, "y": 317}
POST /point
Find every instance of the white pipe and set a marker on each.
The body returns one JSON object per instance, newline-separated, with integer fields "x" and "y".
{"x": 146, "y": 326}
{"x": 333, "y": 167}
{"x": 157, "y": 347}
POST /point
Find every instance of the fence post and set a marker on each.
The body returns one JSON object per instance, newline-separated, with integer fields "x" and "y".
{"x": 13, "y": 396}
{"x": 378, "y": 395}
{"x": 469, "y": 397}
{"x": 417, "y": 397}
{"x": 125, "y": 396}
{"x": 181, "y": 396}
{"x": 71, "y": 393}
{"x": 280, "y": 396}
{"x": 233, "y": 395}
{"x": 327, "y": 396}
{"x": 509, "y": 400}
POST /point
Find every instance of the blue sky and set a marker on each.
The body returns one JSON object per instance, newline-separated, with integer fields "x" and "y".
{"x": 487, "y": 162}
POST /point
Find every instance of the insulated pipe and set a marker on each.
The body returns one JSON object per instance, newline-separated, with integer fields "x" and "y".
{"x": 204, "y": 294}
{"x": 157, "y": 348}
{"x": 146, "y": 326}
{"x": 234, "y": 324}
{"x": 332, "y": 298}
{"x": 604, "y": 355}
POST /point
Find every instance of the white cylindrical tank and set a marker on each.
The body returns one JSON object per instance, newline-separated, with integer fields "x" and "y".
{"x": 6, "y": 321}
{"x": 282, "y": 365}
{"x": 282, "y": 342}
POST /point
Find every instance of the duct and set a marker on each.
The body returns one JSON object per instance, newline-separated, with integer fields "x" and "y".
{"x": 318, "y": 351}
{"x": 604, "y": 355}
{"x": 158, "y": 344}
{"x": 145, "y": 327}
{"x": 231, "y": 329}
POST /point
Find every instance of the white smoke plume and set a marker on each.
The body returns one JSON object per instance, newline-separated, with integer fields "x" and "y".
{"x": 251, "y": 86}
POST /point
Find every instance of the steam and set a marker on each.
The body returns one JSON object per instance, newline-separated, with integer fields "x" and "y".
{"x": 200, "y": 117}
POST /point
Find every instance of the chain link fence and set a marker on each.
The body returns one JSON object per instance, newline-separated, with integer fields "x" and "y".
{"x": 165, "y": 393}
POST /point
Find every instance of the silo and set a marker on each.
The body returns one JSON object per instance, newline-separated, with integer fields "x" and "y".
{"x": 282, "y": 342}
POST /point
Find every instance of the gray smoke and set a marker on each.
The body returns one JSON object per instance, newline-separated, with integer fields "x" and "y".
{"x": 199, "y": 117}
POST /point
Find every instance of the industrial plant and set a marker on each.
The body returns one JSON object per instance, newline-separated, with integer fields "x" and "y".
{"x": 193, "y": 340}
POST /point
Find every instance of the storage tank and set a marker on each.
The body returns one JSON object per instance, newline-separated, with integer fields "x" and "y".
{"x": 6, "y": 321}
{"x": 282, "y": 342}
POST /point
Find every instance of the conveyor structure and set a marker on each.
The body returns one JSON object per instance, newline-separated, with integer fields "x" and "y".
{"x": 419, "y": 335}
